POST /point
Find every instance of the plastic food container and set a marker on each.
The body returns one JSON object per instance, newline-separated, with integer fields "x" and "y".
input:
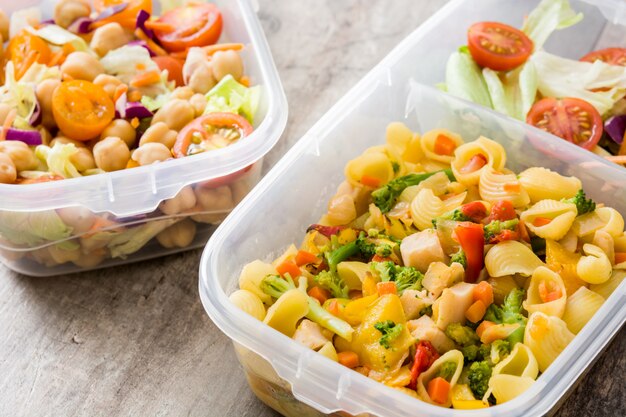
{"x": 109, "y": 219}
{"x": 297, "y": 381}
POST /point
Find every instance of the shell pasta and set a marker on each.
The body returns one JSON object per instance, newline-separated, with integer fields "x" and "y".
{"x": 439, "y": 272}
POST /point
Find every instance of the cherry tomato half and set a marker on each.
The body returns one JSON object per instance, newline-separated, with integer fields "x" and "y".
{"x": 173, "y": 66}
{"x": 209, "y": 132}
{"x": 22, "y": 44}
{"x": 572, "y": 119}
{"x": 81, "y": 109}
{"x": 498, "y": 46}
{"x": 613, "y": 56}
{"x": 126, "y": 17}
{"x": 195, "y": 25}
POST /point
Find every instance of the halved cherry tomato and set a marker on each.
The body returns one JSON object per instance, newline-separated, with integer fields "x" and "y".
{"x": 126, "y": 17}
{"x": 211, "y": 131}
{"x": 498, "y": 46}
{"x": 425, "y": 355}
{"x": 475, "y": 210}
{"x": 22, "y": 44}
{"x": 196, "y": 25}
{"x": 613, "y": 56}
{"x": 81, "y": 109}
{"x": 572, "y": 119}
{"x": 173, "y": 66}
{"x": 502, "y": 210}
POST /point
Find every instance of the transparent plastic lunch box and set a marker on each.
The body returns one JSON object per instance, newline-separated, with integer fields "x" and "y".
{"x": 297, "y": 381}
{"x": 125, "y": 216}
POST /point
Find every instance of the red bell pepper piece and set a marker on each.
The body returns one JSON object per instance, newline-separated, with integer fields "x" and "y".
{"x": 327, "y": 231}
{"x": 425, "y": 355}
{"x": 475, "y": 210}
{"x": 471, "y": 237}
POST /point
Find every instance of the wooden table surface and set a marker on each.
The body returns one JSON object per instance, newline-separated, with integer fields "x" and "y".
{"x": 135, "y": 340}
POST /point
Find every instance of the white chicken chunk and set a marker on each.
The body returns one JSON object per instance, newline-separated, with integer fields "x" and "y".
{"x": 414, "y": 301}
{"x": 310, "y": 334}
{"x": 451, "y": 306}
{"x": 425, "y": 328}
{"x": 421, "y": 249}
{"x": 441, "y": 276}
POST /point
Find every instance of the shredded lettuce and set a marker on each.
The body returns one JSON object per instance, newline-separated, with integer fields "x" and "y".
{"x": 464, "y": 79}
{"x": 230, "y": 96}
{"x": 133, "y": 239}
{"x": 153, "y": 104}
{"x": 56, "y": 35}
{"x": 32, "y": 228}
{"x": 514, "y": 92}
{"x": 22, "y": 19}
{"x": 548, "y": 16}
{"x": 58, "y": 160}
{"x": 600, "y": 84}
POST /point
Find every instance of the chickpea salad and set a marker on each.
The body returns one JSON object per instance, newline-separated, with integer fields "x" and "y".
{"x": 112, "y": 86}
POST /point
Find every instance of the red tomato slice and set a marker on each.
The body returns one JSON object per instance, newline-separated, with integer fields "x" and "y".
{"x": 211, "y": 131}
{"x": 173, "y": 66}
{"x": 502, "y": 210}
{"x": 613, "y": 56}
{"x": 571, "y": 119}
{"x": 498, "y": 46}
{"x": 195, "y": 25}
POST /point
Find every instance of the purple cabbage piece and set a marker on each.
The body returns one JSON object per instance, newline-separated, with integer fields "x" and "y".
{"x": 35, "y": 119}
{"x": 138, "y": 110}
{"x": 29, "y": 137}
{"x": 142, "y": 17}
{"x": 110, "y": 11}
{"x": 81, "y": 25}
{"x": 615, "y": 128}
{"x": 48, "y": 22}
{"x": 143, "y": 44}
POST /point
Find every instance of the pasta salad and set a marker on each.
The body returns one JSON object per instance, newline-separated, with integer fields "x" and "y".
{"x": 439, "y": 272}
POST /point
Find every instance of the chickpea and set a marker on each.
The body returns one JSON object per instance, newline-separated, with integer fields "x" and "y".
{"x": 150, "y": 153}
{"x": 159, "y": 133}
{"x": 79, "y": 219}
{"x": 8, "y": 173}
{"x": 21, "y": 155}
{"x": 178, "y": 235}
{"x": 215, "y": 202}
{"x": 108, "y": 83}
{"x": 198, "y": 101}
{"x": 183, "y": 93}
{"x": 227, "y": 62}
{"x": 202, "y": 79}
{"x": 82, "y": 66}
{"x": 111, "y": 154}
{"x": 183, "y": 201}
{"x": 176, "y": 114}
{"x": 44, "y": 257}
{"x": 44, "y": 92}
{"x": 240, "y": 189}
{"x": 122, "y": 129}
{"x": 83, "y": 159}
{"x": 4, "y": 26}
{"x": 108, "y": 37}
{"x": 4, "y": 112}
{"x": 91, "y": 259}
{"x": 67, "y": 11}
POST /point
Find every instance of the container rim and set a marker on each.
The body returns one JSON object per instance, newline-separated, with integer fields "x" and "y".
{"x": 119, "y": 196}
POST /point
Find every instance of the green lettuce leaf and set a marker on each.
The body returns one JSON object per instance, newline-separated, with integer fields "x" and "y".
{"x": 514, "y": 92}
{"x": 58, "y": 160}
{"x": 133, "y": 239}
{"x": 56, "y": 35}
{"x": 32, "y": 228}
{"x": 548, "y": 16}
{"x": 464, "y": 79}
{"x": 230, "y": 96}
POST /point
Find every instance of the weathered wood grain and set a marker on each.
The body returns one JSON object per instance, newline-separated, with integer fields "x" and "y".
{"x": 135, "y": 340}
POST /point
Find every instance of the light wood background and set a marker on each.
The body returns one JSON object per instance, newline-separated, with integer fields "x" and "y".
{"x": 135, "y": 340}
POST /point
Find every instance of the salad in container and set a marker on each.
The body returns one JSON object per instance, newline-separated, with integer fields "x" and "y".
{"x": 128, "y": 128}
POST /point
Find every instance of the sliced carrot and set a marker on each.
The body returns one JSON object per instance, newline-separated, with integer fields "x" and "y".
{"x": 160, "y": 26}
{"x": 620, "y": 257}
{"x": 319, "y": 293}
{"x": 513, "y": 187}
{"x": 151, "y": 44}
{"x": 438, "y": 390}
{"x": 289, "y": 267}
{"x": 8, "y": 122}
{"x": 541, "y": 221}
{"x": 145, "y": 78}
{"x": 303, "y": 257}
{"x": 388, "y": 287}
{"x": 333, "y": 307}
{"x": 476, "y": 311}
{"x": 134, "y": 95}
{"x": 245, "y": 81}
{"x": 444, "y": 145}
{"x": 348, "y": 358}
{"x": 548, "y": 291}
{"x": 370, "y": 181}
{"x": 119, "y": 91}
{"x": 134, "y": 122}
{"x": 30, "y": 59}
{"x": 483, "y": 292}
{"x": 484, "y": 326}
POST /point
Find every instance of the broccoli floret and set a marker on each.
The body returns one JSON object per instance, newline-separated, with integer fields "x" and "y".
{"x": 499, "y": 350}
{"x": 385, "y": 270}
{"x": 333, "y": 283}
{"x": 340, "y": 254}
{"x": 496, "y": 227}
{"x": 426, "y": 311}
{"x": 454, "y": 215}
{"x": 405, "y": 277}
{"x": 275, "y": 286}
{"x": 513, "y": 302}
{"x": 484, "y": 350}
{"x": 461, "y": 335}
{"x": 478, "y": 377}
{"x": 470, "y": 353}
{"x": 509, "y": 313}
{"x": 386, "y": 196}
{"x": 395, "y": 166}
{"x": 390, "y": 332}
{"x": 447, "y": 370}
{"x": 460, "y": 258}
{"x": 583, "y": 204}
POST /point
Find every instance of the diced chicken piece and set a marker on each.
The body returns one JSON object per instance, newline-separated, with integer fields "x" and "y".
{"x": 414, "y": 301}
{"x": 421, "y": 249}
{"x": 424, "y": 328}
{"x": 451, "y": 306}
{"x": 310, "y": 334}
{"x": 440, "y": 276}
